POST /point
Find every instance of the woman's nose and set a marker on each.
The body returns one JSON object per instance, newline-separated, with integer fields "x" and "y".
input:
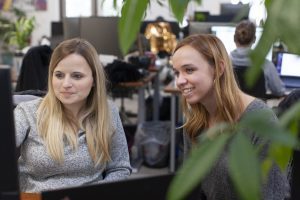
{"x": 180, "y": 80}
{"x": 67, "y": 82}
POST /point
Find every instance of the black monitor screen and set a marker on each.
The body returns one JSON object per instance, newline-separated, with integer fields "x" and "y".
{"x": 9, "y": 184}
{"x": 57, "y": 29}
{"x": 234, "y": 9}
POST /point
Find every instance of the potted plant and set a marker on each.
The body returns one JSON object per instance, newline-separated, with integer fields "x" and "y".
{"x": 19, "y": 36}
{"x": 15, "y": 31}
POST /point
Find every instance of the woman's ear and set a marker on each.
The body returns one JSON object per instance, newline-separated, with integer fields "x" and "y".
{"x": 221, "y": 68}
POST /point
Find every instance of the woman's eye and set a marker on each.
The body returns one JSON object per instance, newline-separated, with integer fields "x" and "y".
{"x": 59, "y": 75}
{"x": 189, "y": 70}
{"x": 175, "y": 73}
{"x": 77, "y": 76}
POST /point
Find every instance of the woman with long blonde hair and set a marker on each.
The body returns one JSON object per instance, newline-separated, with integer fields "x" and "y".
{"x": 210, "y": 94}
{"x": 74, "y": 135}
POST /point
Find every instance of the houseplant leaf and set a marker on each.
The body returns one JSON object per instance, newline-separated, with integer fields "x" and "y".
{"x": 259, "y": 122}
{"x": 178, "y": 8}
{"x": 244, "y": 167}
{"x": 129, "y": 23}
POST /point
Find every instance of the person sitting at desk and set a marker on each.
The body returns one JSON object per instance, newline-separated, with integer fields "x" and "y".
{"x": 73, "y": 136}
{"x": 210, "y": 95}
{"x": 244, "y": 37}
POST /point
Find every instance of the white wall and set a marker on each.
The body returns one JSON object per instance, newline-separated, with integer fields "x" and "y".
{"x": 44, "y": 18}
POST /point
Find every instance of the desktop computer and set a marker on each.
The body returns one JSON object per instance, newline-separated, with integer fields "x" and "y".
{"x": 9, "y": 178}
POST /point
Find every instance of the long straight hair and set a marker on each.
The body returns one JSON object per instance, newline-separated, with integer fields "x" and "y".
{"x": 55, "y": 124}
{"x": 229, "y": 103}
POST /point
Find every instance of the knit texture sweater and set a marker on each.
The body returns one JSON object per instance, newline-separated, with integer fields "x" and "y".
{"x": 39, "y": 172}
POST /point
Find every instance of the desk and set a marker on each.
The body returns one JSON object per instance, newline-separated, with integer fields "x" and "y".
{"x": 30, "y": 196}
{"x": 174, "y": 92}
{"x": 141, "y": 85}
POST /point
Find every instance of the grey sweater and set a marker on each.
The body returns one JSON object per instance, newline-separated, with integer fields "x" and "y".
{"x": 38, "y": 172}
{"x": 217, "y": 184}
{"x": 239, "y": 57}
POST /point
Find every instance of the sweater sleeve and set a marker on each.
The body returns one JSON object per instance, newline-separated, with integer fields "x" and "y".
{"x": 119, "y": 166}
{"x": 273, "y": 81}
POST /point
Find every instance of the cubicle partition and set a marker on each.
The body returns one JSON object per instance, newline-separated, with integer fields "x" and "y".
{"x": 102, "y": 32}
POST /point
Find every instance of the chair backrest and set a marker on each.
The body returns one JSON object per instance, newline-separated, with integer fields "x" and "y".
{"x": 293, "y": 172}
{"x": 257, "y": 90}
{"x": 34, "y": 69}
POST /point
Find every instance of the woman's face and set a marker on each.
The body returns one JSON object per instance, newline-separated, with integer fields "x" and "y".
{"x": 72, "y": 81}
{"x": 194, "y": 76}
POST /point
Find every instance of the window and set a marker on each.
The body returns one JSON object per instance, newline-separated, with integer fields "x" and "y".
{"x": 106, "y": 8}
{"x": 78, "y": 8}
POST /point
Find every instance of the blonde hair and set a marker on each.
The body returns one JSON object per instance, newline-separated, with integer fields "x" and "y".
{"x": 229, "y": 103}
{"x": 55, "y": 124}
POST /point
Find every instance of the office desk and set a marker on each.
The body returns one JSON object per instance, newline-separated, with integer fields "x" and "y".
{"x": 141, "y": 86}
{"x": 30, "y": 196}
{"x": 174, "y": 92}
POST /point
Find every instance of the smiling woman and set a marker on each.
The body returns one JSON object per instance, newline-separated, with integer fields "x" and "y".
{"x": 211, "y": 96}
{"x": 75, "y": 133}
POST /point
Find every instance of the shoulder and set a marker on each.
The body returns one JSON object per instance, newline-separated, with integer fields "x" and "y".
{"x": 257, "y": 104}
{"x": 30, "y": 105}
{"x": 27, "y": 110}
{"x": 112, "y": 106}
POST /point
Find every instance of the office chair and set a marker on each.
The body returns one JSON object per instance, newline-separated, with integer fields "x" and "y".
{"x": 119, "y": 72}
{"x": 293, "y": 173}
{"x": 34, "y": 69}
{"x": 257, "y": 90}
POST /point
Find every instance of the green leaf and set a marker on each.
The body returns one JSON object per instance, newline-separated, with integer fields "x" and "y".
{"x": 281, "y": 155}
{"x": 244, "y": 168}
{"x": 259, "y": 122}
{"x": 129, "y": 23}
{"x": 178, "y": 8}
{"x": 196, "y": 166}
{"x": 266, "y": 166}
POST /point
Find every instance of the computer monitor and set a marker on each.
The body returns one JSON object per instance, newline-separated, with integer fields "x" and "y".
{"x": 146, "y": 188}
{"x": 226, "y": 35}
{"x": 234, "y": 9}
{"x": 9, "y": 178}
{"x": 57, "y": 29}
{"x": 288, "y": 64}
{"x": 288, "y": 67}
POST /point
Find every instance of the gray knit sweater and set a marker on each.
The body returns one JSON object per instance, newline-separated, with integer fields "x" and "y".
{"x": 217, "y": 184}
{"x": 38, "y": 172}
